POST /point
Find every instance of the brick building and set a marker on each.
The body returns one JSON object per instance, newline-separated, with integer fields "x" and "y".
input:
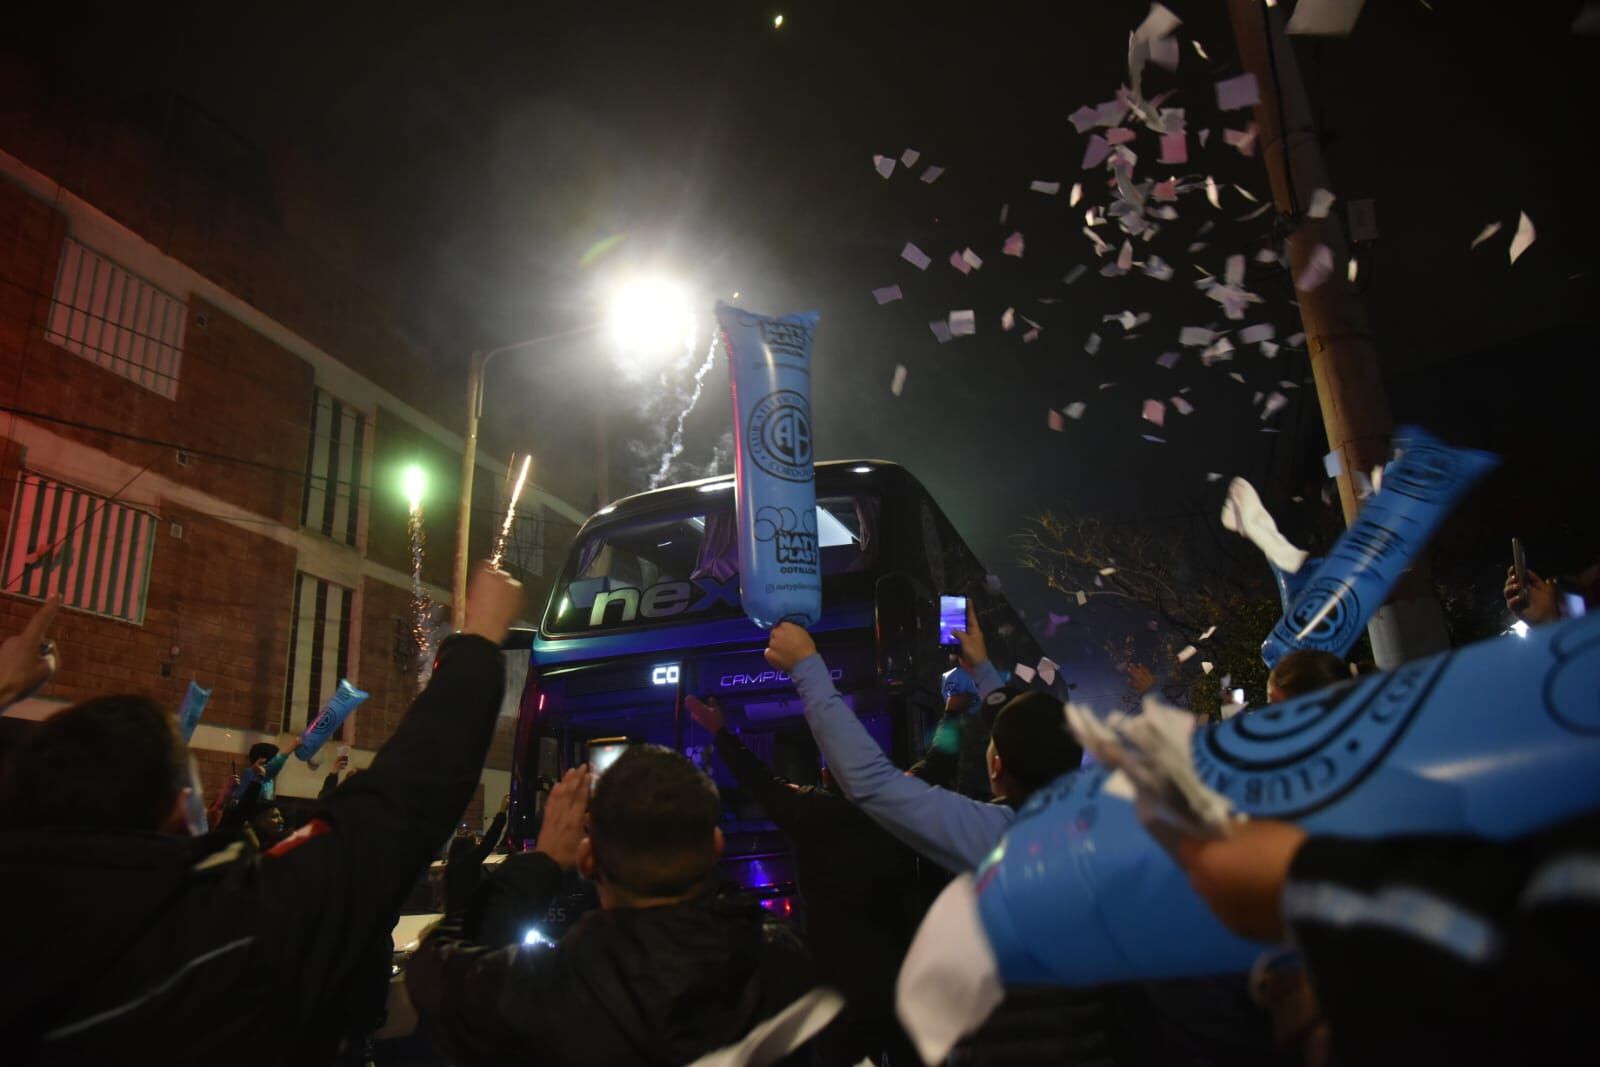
{"x": 191, "y": 456}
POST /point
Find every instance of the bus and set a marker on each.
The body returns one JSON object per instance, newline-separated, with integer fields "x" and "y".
{"x": 646, "y": 612}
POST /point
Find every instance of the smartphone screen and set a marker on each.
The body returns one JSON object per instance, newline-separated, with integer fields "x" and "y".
{"x": 603, "y": 752}
{"x": 952, "y": 617}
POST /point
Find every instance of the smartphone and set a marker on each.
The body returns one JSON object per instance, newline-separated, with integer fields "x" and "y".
{"x": 603, "y": 752}
{"x": 952, "y": 617}
{"x": 1519, "y": 562}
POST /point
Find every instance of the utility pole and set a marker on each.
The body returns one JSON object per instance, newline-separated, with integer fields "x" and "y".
{"x": 1344, "y": 363}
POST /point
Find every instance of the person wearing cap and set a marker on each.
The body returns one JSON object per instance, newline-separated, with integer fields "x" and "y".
{"x": 1030, "y": 747}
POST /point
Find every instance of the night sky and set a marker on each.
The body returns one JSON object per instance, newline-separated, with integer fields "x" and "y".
{"x": 478, "y": 151}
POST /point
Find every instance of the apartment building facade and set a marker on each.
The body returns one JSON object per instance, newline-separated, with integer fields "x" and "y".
{"x": 215, "y": 495}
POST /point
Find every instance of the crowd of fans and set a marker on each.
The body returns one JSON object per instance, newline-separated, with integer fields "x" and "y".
{"x": 136, "y": 933}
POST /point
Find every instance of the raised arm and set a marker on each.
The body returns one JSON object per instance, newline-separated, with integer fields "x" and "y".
{"x": 953, "y": 831}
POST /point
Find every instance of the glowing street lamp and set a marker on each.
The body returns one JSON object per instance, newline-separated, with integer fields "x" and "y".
{"x": 648, "y": 318}
{"x": 414, "y": 483}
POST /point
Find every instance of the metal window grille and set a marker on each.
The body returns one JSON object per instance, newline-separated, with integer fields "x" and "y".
{"x": 117, "y": 320}
{"x": 525, "y": 546}
{"x": 319, "y": 647}
{"x": 332, "y": 500}
{"x": 94, "y": 552}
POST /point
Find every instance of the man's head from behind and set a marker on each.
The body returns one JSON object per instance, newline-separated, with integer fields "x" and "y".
{"x": 653, "y": 834}
{"x": 1303, "y": 671}
{"x": 109, "y": 763}
{"x": 1030, "y": 745}
{"x": 261, "y": 751}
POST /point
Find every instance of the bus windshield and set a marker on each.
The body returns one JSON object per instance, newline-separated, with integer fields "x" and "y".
{"x": 653, "y": 568}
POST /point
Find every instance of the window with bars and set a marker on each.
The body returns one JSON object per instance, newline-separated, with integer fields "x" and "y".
{"x": 334, "y": 459}
{"x": 319, "y": 647}
{"x": 117, "y": 320}
{"x": 525, "y": 546}
{"x": 94, "y": 552}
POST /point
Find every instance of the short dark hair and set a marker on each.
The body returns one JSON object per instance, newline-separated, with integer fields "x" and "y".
{"x": 1305, "y": 670}
{"x": 262, "y": 750}
{"x": 1031, "y": 737}
{"x": 652, "y": 821}
{"x": 110, "y": 763}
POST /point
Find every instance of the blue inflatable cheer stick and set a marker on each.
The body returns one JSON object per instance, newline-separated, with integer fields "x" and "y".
{"x": 338, "y": 708}
{"x": 194, "y": 705}
{"x": 775, "y": 492}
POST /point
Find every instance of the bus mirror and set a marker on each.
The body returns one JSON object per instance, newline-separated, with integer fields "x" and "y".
{"x": 906, "y": 628}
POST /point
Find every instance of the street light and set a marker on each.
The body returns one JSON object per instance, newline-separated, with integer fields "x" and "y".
{"x": 646, "y": 318}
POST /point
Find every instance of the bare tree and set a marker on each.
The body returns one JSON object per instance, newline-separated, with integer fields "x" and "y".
{"x": 1153, "y": 567}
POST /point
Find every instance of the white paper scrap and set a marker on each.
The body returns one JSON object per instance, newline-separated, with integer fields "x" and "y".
{"x": 898, "y": 385}
{"x": 1076, "y": 194}
{"x": 1196, "y": 336}
{"x": 1023, "y": 671}
{"x": 963, "y": 323}
{"x": 909, "y": 157}
{"x": 1317, "y": 269}
{"x": 1075, "y": 409}
{"x": 887, "y": 294}
{"x": 1047, "y": 670}
{"x": 1083, "y": 598}
{"x": 1047, "y": 188}
{"x": 1013, "y": 245}
{"x": 1054, "y": 420}
{"x": 1524, "y": 236}
{"x": 971, "y": 258}
{"x": 931, "y": 175}
{"x": 1207, "y": 635}
{"x": 884, "y": 165}
{"x": 1154, "y": 412}
{"x": 1485, "y": 233}
{"x": 1186, "y": 653}
{"x": 1074, "y": 274}
{"x": 1234, "y": 93}
{"x": 1275, "y": 403}
{"x": 1211, "y": 192}
{"x": 1321, "y": 201}
{"x": 1325, "y": 18}
{"x": 915, "y": 256}
{"x": 1182, "y": 406}
{"x": 775, "y": 1039}
{"x": 1333, "y": 464}
{"x": 950, "y": 981}
{"x": 1168, "y": 359}
{"x": 941, "y": 330}
{"x": 1008, "y": 318}
{"x": 1244, "y": 514}
{"x": 1261, "y": 331}
{"x": 1092, "y": 345}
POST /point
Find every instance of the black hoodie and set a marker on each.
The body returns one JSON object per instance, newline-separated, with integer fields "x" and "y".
{"x": 141, "y": 947}
{"x": 627, "y": 986}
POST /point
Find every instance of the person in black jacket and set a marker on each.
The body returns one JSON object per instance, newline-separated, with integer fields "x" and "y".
{"x": 858, "y": 885}
{"x": 669, "y": 969}
{"x": 131, "y": 939}
{"x": 1426, "y": 949}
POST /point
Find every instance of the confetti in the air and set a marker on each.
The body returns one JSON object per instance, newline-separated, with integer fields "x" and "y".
{"x": 1096, "y": 152}
{"x": 1213, "y": 476}
{"x": 1244, "y": 140}
{"x": 897, "y": 386}
{"x": 1175, "y": 147}
{"x": 1075, "y": 409}
{"x": 1196, "y": 336}
{"x": 909, "y": 157}
{"x": 941, "y": 330}
{"x": 959, "y": 262}
{"x": 931, "y": 175}
{"x": 1207, "y": 635}
{"x": 1047, "y": 670}
{"x": 1485, "y": 233}
{"x": 1083, "y": 598}
{"x": 1199, "y": 51}
{"x": 1047, "y": 188}
{"x": 963, "y": 323}
{"x": 1092, "y": 345}
{"x": 915, "y": 256}
{"x": 1182, "y": 406}
{"x": 884, "y": 165}
{"x": 1008, "y": 318}
{"x": 1155, "y": 412}
{"x": 1153, "y": 439}
{"x": 972, "y": 258}
{"x": 887, "y": 294}
{"x": 1168, "y": 359}
{"x": 1234, "y": 93}
{"x": 1076, "y": 194}
{"x": 1212, "y": 194}
{"x": 1321, "y": 202}
{"x": 1206, "y": 666}
{"x": 1074, "y": 274}
{"x": 1524, "y": 237}
{"x": 1352, "y": 269}
{"x": 1054, "y": 420}
{"x": 1275, "y": 402}
{"x": 1261, "y": 331}
{"x": 1325, "y": 18}
{"x": 1023, "y": 671}
{"x": 1013, "y": 245}
{"x": 1317, "y": 270}
{"x": 1186, "y": 653}
{"x": 1106, "y": 572}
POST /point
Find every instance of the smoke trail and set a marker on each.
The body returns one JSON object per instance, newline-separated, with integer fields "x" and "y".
{"x": 675, "y": 447}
